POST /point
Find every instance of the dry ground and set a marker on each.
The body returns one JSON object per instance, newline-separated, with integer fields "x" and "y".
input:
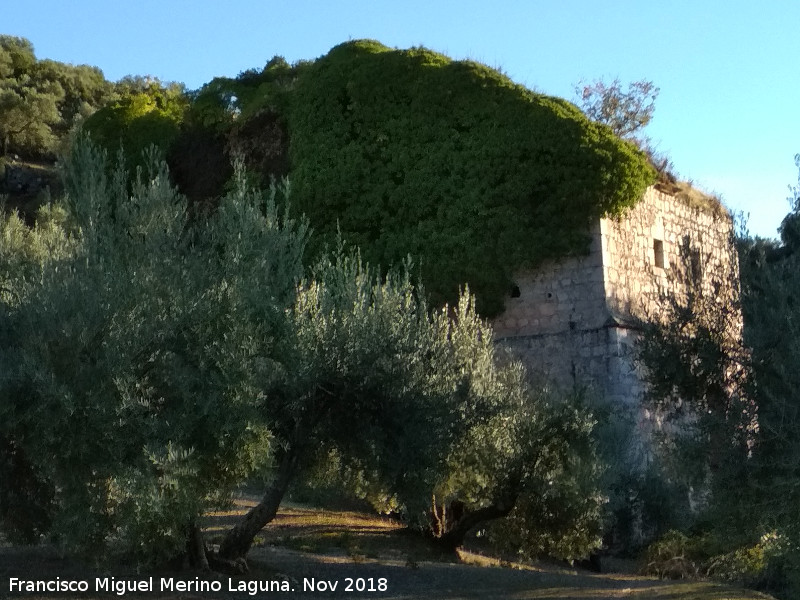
{"x": 304, "y": 545}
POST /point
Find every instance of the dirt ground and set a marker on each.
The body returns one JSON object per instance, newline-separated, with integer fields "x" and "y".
{"x": 302, "y": 572}
{"x": 308, "y": 553}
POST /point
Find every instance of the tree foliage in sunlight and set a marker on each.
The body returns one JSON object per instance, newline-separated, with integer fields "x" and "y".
{"x": 41, "y": 100}
{"x": 625, "y": 112}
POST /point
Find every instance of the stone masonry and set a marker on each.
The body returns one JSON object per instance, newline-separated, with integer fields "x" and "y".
{"x": 574, "y": 321}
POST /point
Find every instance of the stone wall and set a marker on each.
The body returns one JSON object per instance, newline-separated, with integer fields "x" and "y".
{"x": 574, "y": 322}
{"x": 558, "y": 297}
{"x": 665, "y": 247}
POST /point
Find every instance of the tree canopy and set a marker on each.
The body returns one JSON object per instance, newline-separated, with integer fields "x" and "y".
{"x": 41, "y": 100}
{"x": 145, "y": 112}
{"x": 626, "y": 112}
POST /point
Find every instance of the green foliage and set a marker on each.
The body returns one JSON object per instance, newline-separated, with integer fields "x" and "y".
{"x": 749, "y": 565}
{"x": 40, "y": 101}
{"x": 430, "y": 391}
{"x": 147, "y": 113}
{"x": 152, "y": 511}
{"x": 29, "y": 110}
{"x": 151, "y": 363}
{"x": 331, "y": 481}
{"x": 410, "y": 153}
{"x": 369, "y": 352}
{"x": 403, "y": 152}
{"x": 560, "y": 508}
{"x": 407, "y": 152}
{"x": 671, "y": 557}
{"x": 223, "y": 101}
{"x": 85, "y": 90}
{"x": 17, "y": 56}
{"x": 135, "y": 349}
{"x": 764, "y": 564}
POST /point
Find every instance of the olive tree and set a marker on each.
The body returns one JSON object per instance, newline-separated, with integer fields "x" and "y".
{"x": 443, "y": 419}
{"x": 133, "y": 344}
{"x": 532, "y": 469}
{"x": 388, "y": 383}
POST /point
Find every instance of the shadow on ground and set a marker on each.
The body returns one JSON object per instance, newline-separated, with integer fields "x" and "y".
{"x": 312, "y": 553}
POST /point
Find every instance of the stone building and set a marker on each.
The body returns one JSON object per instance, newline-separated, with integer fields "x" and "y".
{"x": 575, "y": 321}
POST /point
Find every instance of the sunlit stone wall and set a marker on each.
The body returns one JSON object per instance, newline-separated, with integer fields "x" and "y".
{"x": 575, "y": 321}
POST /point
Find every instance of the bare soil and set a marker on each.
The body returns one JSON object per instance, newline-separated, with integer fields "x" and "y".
{"x": 319, "y": 554}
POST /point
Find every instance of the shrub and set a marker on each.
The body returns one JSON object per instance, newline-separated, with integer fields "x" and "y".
{"x": 671, "y": 557}
{"x": 769, "y": 564}
{"x": 745, "y": 565}
{"x": 533, "y": 463}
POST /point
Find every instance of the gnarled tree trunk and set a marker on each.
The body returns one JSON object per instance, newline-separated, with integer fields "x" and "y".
{"x": 240, "y": 537}
{"x": 453, "y": 537}
{"x": 196, "y": 548}
{"x": 449, "y": 535}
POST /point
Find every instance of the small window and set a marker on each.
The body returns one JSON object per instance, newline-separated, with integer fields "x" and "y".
{"x": 658, "y": 253}
{"x": 696, "y": 265}
{"x": 515, "y": 292}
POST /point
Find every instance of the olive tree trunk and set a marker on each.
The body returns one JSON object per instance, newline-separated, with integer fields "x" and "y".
{"x": 239, "y": 539}
{"x": 449, "y": 534}
{"x": 453, "y": 538}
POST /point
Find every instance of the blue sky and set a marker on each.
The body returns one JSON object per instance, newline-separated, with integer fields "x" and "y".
{"x": 728, "y": 70}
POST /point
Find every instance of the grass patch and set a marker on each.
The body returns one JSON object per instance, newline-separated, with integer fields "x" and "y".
{"x": 694, "y": 198}
{"x": 359, "y": 536}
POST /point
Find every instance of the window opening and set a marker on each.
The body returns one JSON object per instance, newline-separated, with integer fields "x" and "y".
{"x": 658, "y": 253}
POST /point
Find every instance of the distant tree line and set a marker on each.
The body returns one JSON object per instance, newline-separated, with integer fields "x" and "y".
{"x": 41, "y": 100}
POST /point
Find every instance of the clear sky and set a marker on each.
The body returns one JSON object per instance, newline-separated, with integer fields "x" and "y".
{"x": 728, "y": 70}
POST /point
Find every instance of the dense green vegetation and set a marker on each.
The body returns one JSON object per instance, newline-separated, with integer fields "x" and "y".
{"x": 405, "y": 152}
{"x": 41, "y": 100}
{"x": 153, "y": 361}
{"x": 144, "y": 113}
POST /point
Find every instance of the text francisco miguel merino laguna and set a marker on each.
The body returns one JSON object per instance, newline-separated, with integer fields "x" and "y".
{"x": 120, "y": 587}
{"x": 163, "y": 584}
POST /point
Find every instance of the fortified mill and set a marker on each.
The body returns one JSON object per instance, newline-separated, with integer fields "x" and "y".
{"x": 576, "y": 321}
